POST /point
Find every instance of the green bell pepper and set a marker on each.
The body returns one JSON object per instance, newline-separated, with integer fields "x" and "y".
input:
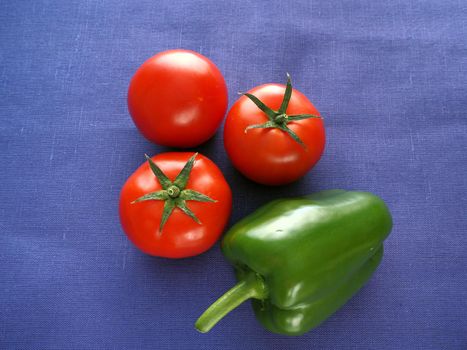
{"x": 301, "y": 259}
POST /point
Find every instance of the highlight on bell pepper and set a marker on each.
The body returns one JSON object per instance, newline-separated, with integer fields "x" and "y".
{"x": 301, "y": 259}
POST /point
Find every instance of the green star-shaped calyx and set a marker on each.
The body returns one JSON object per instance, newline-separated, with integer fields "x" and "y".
{"x": 279, "y": 119}
{"x": 174, "y": 194}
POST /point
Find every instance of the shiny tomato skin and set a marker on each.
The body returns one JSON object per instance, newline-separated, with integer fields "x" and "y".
{"x": 271, "y": 156}
{"x": 177, "y": 98}
{"x": 181, "y": 236}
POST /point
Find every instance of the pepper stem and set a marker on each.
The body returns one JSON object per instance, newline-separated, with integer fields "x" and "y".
{"x": 242, "y": 291}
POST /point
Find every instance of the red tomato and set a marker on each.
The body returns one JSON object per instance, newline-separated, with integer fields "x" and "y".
{"x": 271, "y": 155}
{"x": 177, "y": 98}
{"x": 181, "y": 236}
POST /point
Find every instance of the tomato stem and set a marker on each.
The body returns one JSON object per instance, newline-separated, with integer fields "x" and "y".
{"x": 174, "y": 194}
{"x": 279, "y": 119}
{"x": 173, "y": 191}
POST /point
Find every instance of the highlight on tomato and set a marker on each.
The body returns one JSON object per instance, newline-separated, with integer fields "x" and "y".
{"x": 177, "y": 98}
{"x": 175, "y": 205}
{"x": 273, "y": 134}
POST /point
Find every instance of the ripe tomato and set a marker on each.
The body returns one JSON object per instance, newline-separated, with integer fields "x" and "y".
{"x": 175, "y": 205}
{"x": 177, "y": 98}
{"x": 278, "y": 145}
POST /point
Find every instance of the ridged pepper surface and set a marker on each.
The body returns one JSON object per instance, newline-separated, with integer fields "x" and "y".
{"x": 301, "y": 259}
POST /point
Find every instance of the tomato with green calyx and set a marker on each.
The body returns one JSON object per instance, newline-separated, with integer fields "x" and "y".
{"x": 273, "y": 134}
{"x": 175, "y": 205}
{"x": 177, "y": 98}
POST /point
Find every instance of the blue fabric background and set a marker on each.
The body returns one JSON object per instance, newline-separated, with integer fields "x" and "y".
{"x": 390, "y": 77}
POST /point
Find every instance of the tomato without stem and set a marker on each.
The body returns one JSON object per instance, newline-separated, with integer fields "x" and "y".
{"x": 177, "y": 98}
{"x": 182, "y": 211}
{"x": 277, "y": 146}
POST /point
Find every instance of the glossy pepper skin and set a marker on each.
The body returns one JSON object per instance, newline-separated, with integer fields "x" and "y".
{"x": 301, "y": 259}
